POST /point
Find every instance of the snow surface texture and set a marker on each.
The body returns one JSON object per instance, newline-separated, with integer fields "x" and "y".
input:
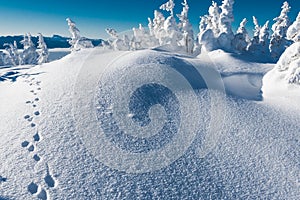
{"x": 55, "y": 116}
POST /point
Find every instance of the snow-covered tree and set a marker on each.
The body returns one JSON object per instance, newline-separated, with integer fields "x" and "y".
{"x": 29, "y": 54}
{"x": 77, "y": 42}
{"x": 143, "y": 38}
{"x": 186, "y": 28}
{"x": 254, "y": 43}
{"x": 11, "y": 54}
{"x": 289, "y": 64}
{"x": 264, "y": 39}
{"x": 226, "y": 19}
{"x": 293, "y": 32}
{"x": 117, "y": 43}
{"x": 214, "y": 13}
{"x": 241, "y": 38}
{"x": 278, "y": 41}
{"x": 43, "y": 53}
{"x": 158, "y": 27}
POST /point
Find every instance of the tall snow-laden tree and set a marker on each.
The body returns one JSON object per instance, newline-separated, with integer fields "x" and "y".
{"x": 293, "y": 32}
{"x": 264, "y": 38}
{"x": 278, "y": 41}
{"x": 158, "y": 26}
{"x": 226, "y": 19}
{"x": 186, "y": 28}
{"x": 214, "y": 13}
{"x": 74, "y": 32}
{"x": 29, "y": 54}
{"x": 171, "y": 35}
{"x": 241, "y": 38}
{"x": 43, "y": 53}
{"x": 254, "y": 45}
{"x": 77, "y": 42}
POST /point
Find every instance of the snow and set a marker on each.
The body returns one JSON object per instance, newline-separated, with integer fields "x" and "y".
{"x": 282, "y": 83}
{"x": 57, "y": 120}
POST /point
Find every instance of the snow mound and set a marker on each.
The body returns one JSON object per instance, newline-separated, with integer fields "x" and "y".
{"x": 86, "y": 127}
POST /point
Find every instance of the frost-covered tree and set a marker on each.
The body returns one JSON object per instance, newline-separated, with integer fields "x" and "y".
{"x": 143, "y": 38}
{"x": 293, "y": 32}
{"x": 158, "y": 26}
{"x": 289, "y": 64}
{"x": 77, "y": 42}
{"x": 115, "y": 42}
{"x": 264, "y": 39}
{"x": 186, "y": 28}
{"x": 74, "y": 32}
{"x": 241, "y": 38}
{"x": 29, "y": 54}
{"x": 12, "y": 56}
{"x": 254, "y": 45}
{"x": 171, "y": 34}
{"x": 278, "y": 41}
{"x": 43, "y": 53}
{"x": 214, "y": 22}
{"x": 226, "y": 19}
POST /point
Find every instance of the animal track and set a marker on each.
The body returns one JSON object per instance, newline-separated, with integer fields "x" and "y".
{"x": 36, "y": 157}
{"x": 2, "y": 179}
{"x": 36, "y": 190}
{"x": 25, "y": 144}
{"x": 33, "y": 188}
{"x": 36, "y": 137}
{"x": 42, "y": 194}
{"x": 48, "y": 178}
{"x": 31, "y": 148}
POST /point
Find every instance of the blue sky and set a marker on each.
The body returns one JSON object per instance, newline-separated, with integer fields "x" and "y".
{"x": 92, "y": 16}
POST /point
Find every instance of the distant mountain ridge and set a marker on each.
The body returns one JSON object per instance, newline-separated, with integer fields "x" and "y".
{"x": 56, "y": 41}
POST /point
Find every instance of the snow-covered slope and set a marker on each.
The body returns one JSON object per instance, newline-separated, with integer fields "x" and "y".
{"x": 144, "y": 124}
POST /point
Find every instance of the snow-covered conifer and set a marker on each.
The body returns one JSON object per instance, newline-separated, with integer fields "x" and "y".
{"x": 278, "y": 41}
{"x": 226, "y": 17}
{"x": 43, "y": 53}
{"x": 12, "y": 55}
{"x": 254, "y": 45}
{"x": 29, "y": 54}
{"x": 293, "y": 32}
{"x": 186, "y": 28}
{"x": 289, "y": 64}
{"x": 77, "y": 42}
{"x": 214, "y": 13}
{"x": 264, "y": 38}
{"x": 240, "y": 41}
{"x": 158, "y": 26}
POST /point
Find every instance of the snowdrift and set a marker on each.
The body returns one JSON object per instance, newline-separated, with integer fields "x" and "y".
{"x": 144, "y": 124}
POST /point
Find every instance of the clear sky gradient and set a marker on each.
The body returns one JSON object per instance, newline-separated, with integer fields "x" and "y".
{"x": 93, "y": 16}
